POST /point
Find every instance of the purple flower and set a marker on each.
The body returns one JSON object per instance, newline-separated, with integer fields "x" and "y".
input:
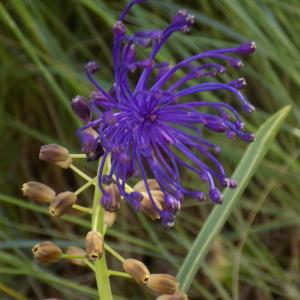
{"x": 157, "y": 126}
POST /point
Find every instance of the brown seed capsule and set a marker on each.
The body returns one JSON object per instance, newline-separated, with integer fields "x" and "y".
{"x": 136, "y": 269}
{"x": 61, "y": 203}
{"x": 157, "y": 196}
{"x": 47, "y": 252}
{"x": 177, "y": 296}
{"x": 109, "y": 218}
{"x": 38, "y": 191}
{"x": 76, "y": 251}
{"x": 162, "y": 284}
{"x": 94, "y": 245}
{"x": 55, "y": 154}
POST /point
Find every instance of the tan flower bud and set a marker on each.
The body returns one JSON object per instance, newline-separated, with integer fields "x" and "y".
{"x": 94, "y": 245}
{"x": 162, "y": 284}
{"x": 64, "y": 164}
{"x": 76, "y": 251}
{"x": 55, "y": 154}
{"x": 157, "y": 196}
{"x": 177, "y": 296}
{"x": 136, "y": 269}
{"x": 152, "y": 183}
{"x": 147, "y": 206}
{"x": 112, "y": 200}
{"x": 109, "y": 218}
{"x": 38, "y": 191}
{"x": 61, "y": 203}
{"x": 47, "y": 252}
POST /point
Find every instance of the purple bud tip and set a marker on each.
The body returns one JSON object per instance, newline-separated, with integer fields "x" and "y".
{"x": 190, "y": 19}
{"x": 167, "y": 219}
{"x": 248, "y": 108}
{"x": 239, "y": 83}
{"x": 200, "y": 196}
{"x": 216, "y": 196}
{"x": 91, "y": 67}
{"x": 172, "y": 204}
{"x": 232, "y": 183}
{"x": 247, "y": 48}
{"x": 180, "y": 16}
{"x": 248, "y": 137}
{"x": 119, "y": 29}
{"x": 81, "y": 108}
{"x": 237, "y": 64}
{"x": 231, "y": 134}
{"x": 240, "y": 125}
{"x": 221, "y": 69}
{"x": 217, "y": 149}
{"x": 216, "y": 126}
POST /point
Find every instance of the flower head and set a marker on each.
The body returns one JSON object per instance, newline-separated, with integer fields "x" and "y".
{"x": 152, "y": 129}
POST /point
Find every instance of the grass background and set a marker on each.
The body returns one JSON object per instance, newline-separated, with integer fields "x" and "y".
{"x": 43, "y": 46}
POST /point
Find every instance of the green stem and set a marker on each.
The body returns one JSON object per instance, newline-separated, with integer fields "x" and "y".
{"x": 120, "y": 274}
{"x": 82, "y": 208}
{"x": 80, "y": 173}
{"x": 114, "y": 253}
{"x": 85, "y": 186}
{"x": 101, "y": 271}
{"x": 78, "y": 156}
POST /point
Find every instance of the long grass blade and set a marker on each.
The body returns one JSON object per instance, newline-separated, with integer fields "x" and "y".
{"x": 244, "y": 172}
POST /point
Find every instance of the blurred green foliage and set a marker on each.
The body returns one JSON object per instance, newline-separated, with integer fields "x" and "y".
{"x": 43, "y": 46}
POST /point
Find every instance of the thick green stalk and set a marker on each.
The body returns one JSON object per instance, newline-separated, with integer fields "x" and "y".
{"x": 101, "y": 270}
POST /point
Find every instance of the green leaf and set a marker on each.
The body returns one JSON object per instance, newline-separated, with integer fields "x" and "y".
{"x": 243, "y": 174}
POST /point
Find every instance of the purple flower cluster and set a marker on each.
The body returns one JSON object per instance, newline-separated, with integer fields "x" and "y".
{"x": 149, "y": 129}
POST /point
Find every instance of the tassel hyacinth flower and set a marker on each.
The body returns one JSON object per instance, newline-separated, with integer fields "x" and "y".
{"x": 157, "y": 126}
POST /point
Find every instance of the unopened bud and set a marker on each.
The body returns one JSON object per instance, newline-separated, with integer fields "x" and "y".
{"x": 119, "y": 29}
{"x": 61, "y": 203}
{"x": 76, "y": 251}
{"x": 47, "y": 252}
{"x": 91, "y": 67}
{"x": 177, "y": 296}
{"x": 111, "y": 199}
{"x": 109, "y": 218}
{"x": 146, "y": 204}
{"x": 152, "y": 183}
{"x": 55, "y": 154}
{"x": 81, "y": 108}
{"x": 38, "y": 192}
{"x": 162, "y": 284}
{"x": 136, "y": 269}
{"x": 90, "y": 144}
{"x": 94, "y": 245}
